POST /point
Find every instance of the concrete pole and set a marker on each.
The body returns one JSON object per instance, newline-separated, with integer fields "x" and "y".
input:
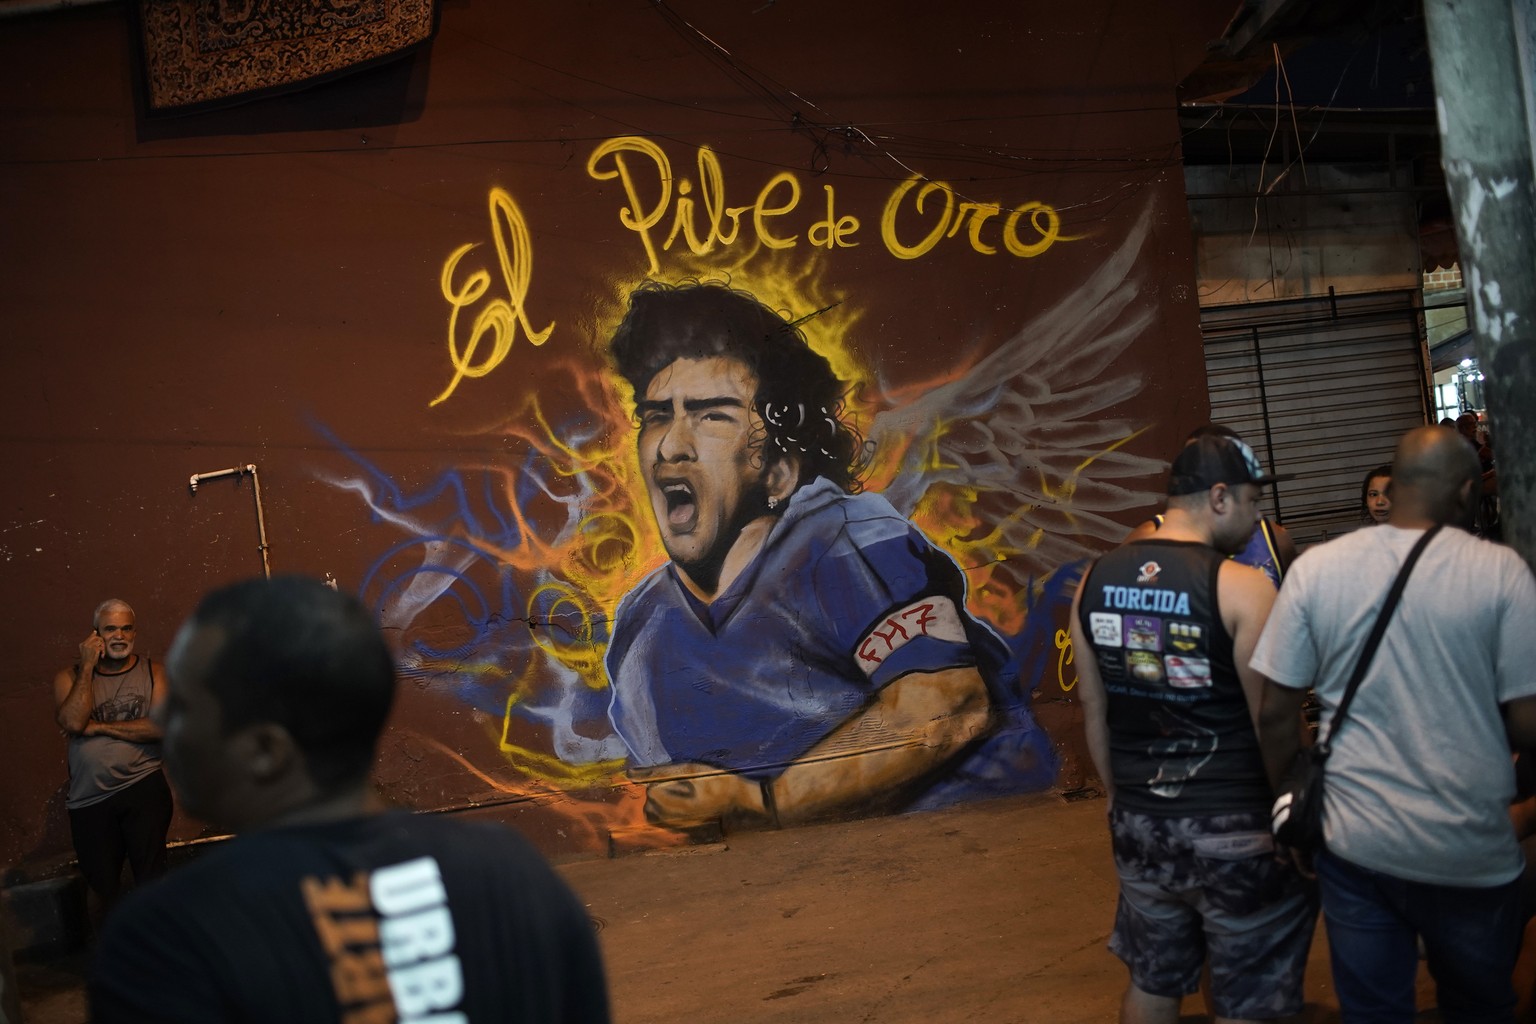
{"x": 1483, "y": 90}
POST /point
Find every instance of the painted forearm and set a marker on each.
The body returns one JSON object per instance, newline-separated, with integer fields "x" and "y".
{"x": 915, "y": 725}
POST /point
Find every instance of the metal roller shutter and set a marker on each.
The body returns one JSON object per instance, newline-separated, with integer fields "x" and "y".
{"x": 1321, "y": 388}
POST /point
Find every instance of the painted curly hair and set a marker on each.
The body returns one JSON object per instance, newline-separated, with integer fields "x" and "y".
{"x": 799, "y": 398}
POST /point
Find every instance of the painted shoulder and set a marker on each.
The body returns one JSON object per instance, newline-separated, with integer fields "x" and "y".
{"x": 656, "y": 586}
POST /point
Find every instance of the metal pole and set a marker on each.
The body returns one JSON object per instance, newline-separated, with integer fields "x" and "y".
{"x": 1269, "y": 436}
{"x": 1482, "y": 92}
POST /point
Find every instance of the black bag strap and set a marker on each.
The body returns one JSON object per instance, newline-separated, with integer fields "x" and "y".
{"x": 1321, "y": 750}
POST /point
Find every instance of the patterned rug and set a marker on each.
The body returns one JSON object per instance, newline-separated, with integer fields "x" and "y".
{"x": 200, "y": 52}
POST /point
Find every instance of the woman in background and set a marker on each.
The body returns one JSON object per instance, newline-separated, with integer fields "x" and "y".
{"x": 1375, "y": 505}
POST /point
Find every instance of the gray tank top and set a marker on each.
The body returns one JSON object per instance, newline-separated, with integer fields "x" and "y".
{"x": 101, "y": 765}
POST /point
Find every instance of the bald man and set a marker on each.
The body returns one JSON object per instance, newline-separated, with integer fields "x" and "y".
{"x": 1418, "y": 837}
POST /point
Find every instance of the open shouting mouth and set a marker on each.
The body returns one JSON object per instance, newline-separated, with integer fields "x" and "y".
{"x": 682, "y": 505}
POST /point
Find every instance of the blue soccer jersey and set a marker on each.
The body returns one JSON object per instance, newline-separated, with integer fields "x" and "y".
{"x": 845, "y": 597}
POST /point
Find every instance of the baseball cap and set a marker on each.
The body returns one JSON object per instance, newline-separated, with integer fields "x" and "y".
{"x": 1215, "y": 459}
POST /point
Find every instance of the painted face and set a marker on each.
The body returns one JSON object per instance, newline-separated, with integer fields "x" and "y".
{"x": 194, "y": 748}
{"x": 1376, "y": 501}
{"x": 1237, "y": 525}
{"x": 701, "y": 461}
{"x": 116, "y": 629}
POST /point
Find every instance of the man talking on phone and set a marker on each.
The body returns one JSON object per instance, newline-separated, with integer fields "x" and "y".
{"x": 119, "y": 803}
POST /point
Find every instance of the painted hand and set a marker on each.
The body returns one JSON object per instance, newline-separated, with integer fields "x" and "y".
{"x": 678, "y": 795}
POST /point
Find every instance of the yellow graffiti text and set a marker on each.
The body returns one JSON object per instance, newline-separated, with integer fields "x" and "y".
{"x": 833, "y": 232}
{"x": 654, "y": 193}
{"x": 665, "y": 210}
{"x": 1063, "y": 659}
{"x": 1044, "y": 223}
{"x": 649, "y": 185}
{"x": 501, "y": 316}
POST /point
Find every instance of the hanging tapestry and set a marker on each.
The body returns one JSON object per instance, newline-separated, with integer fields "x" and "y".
{"x": 198, "y": 52}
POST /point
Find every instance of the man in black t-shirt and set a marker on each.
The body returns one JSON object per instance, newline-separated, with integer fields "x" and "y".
{"x": 327, "y": 907}
{"x": 1164, "y": 628}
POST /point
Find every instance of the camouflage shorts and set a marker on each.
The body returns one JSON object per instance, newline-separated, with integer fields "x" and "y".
{"x": 1211, "y": 886}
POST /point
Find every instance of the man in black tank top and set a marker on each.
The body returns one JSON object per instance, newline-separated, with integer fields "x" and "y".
{"x": 1163, "y": 629}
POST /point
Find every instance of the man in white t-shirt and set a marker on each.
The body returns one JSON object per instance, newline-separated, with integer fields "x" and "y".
{"x": 1418, "y": 837}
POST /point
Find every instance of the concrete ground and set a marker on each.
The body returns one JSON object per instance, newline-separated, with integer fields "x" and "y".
{"x": 996, "y": 911}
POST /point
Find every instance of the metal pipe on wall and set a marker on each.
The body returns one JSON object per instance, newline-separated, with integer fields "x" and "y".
{"x": 261, "y": 519}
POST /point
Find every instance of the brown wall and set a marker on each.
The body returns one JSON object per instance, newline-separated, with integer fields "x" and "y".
{"x": 264, "y": 285}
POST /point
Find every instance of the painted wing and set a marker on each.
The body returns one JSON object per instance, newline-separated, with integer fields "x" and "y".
{"x": 1025, "y": 428}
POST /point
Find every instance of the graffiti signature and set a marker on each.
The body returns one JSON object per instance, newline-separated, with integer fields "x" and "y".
{"x": 1063, "y": 659}
{"x": 500, "y": 317}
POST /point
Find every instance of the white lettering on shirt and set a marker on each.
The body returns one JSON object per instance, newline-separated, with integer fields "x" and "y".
{"x": 416, "y": 933}
{"x": 1147, "y": 599}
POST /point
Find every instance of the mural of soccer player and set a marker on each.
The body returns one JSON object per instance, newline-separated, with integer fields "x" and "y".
{"x": 807, "y": 651}
{"x": 794, "y": 630}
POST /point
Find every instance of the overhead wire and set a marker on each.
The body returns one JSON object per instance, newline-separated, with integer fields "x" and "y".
{"x": 791, "y": 111}
{"x": 822, "y": 132}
